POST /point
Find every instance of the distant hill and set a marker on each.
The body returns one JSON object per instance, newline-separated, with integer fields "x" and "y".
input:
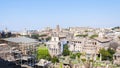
{"x": 117, "y": 27}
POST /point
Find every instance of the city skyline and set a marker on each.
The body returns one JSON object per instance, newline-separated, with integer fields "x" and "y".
{"x": 29, "y": 14}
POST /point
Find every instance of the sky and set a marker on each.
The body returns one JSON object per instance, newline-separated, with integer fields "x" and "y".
{"x": 37, "y": 14}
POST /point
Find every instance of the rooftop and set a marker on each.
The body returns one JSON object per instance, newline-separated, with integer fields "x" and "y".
{"x": 103, "y": 39}
{"x": 21, "y": 39}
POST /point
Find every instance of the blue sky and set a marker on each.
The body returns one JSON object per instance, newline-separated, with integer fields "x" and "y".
{"x": 37, "y": 14}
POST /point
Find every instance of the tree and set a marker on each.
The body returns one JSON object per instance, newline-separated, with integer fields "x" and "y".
{"x": 78, "y": 55}
{"x": 48, "y": 38}
{"x": 66, "y": 51}
{"x": 35, "y": 36}
{"x": 3, "y": 34}
{"x": 8, "y": 34}
{"x": 43, "y": 35}
{"x": 117, "y": 27}
{"x": 54, "y": 59}
{"x": 107, "y": 54}
{"x": 42, "y": 53}
{"x": 111, "y": 51}
{"x": 73, "y": 56}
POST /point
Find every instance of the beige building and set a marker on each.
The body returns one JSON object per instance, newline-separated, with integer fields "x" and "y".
{"x": 88, "y": 46}
{"x": 84, "y": 45}
{"x": 117, "y": 56}
{"x": 76, "y": 45}
{"x": 91, "y": 48}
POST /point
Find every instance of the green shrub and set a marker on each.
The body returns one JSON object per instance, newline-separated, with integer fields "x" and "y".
{"x": 42, "y": 53}
{"x": 93, "y": 36}
{"x": 83, "y": 60}
{"x": 91, "y": 60}
{"x": 82, "y": 35}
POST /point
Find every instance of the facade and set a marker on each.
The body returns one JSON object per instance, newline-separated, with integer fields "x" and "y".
{"x": 5, "y": 52}
{"x": 22, "y": 48}
{"x": 23, "y": 44}
{"x": 88, "y": 46}
{"x": 84, "y": 45}
{"x": 117, "y": 56}
{"x": 76, "y": 45}
{"x": 90, "y": 49}
{"x": 54, "y": 46}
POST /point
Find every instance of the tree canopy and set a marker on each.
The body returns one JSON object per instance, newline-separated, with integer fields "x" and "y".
{"x": 54, "y": 59}
{"x": 82, "y": 35}
{"x": 35, "y": 36}
{"x": 5, "y": 34}
{"x": 66, "y": 51}
{"x": 73, "y": 56}
{"x": 42, "y": 35}
{"x": 117, "y": 27}
{"x": 42, "y": 53}
{"x": 107, "y": 54}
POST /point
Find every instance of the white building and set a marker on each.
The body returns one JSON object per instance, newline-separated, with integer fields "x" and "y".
{"x": 54, "y": 46}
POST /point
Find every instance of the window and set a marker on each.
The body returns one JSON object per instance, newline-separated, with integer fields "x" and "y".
{"x": 95, "y": 43}
{"x": 54, "y": 39}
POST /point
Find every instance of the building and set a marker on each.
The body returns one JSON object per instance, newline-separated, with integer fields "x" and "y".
{"x": 84, "y": 45}
{"x": 5, "y": 52}
{"x": 89, "y": 46}
{"x": 57, "y": 28}
{"x": 76, "y": 45}
{"x": 42, "y": 64}
{"x": 54, "y": 46}
{"x": 25, "y": 32}
{"x": 22, "y": 48}
{"x": 117, "y": 56}
{"x": 24, "y": 44}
